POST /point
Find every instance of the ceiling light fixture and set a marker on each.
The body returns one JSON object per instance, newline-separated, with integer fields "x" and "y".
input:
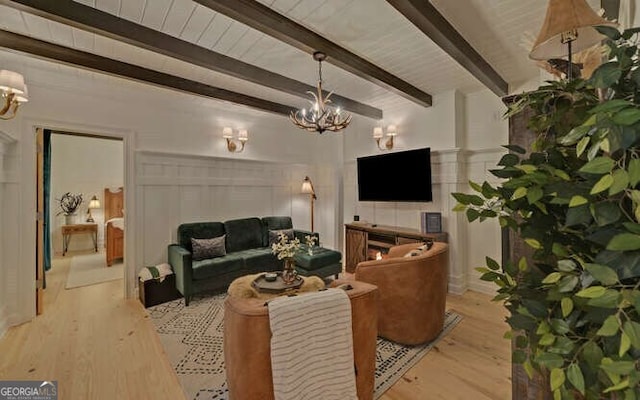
{"x": 322, "y": 116}
{"x": 232, "y": 146}
{"x": 378, "y": 134}
{"x": 13, "y": 91}
{"x": 570, "y": 23}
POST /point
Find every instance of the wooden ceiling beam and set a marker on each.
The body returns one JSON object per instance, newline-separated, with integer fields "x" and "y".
{"x": 99, "y": 22}
{"x": 77, "y": 58}
{"x": 428, "y": 19}
{"x": 272, "y": 23}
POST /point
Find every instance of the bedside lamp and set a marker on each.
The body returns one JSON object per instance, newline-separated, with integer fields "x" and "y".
{"x": 93, "y": 204}
{"x": 307, "y": 188}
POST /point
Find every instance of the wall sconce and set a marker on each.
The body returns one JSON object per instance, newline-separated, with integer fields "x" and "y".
{"x": 93, "y": 204}
{"x": 232, "y": 146}
{"x": 378, "y": 134}
{"x": 13, "y": 91}
{"x": 307, "y": 188}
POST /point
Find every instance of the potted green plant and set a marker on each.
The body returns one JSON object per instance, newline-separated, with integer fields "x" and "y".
{"x": 575, "y": 200}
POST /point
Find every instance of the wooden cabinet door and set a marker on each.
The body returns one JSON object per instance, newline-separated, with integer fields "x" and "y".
{"x": 356, "y": 248}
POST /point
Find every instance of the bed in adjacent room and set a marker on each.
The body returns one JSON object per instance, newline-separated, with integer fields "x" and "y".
{"x": 114, "y": 224}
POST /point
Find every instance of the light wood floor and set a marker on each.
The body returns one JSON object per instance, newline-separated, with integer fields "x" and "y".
{"x": 99, "y": 346}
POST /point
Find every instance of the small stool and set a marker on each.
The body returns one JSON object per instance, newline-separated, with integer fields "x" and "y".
{"x": 323, "y": 262}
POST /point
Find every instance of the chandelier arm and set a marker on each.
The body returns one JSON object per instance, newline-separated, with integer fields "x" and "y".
{"x": 14, "y": 110}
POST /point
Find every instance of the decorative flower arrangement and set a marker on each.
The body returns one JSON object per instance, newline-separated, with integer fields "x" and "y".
{"x": 311, "y": 242}
{"x": 285, "y": 248}
{"x": 69, "y": 203}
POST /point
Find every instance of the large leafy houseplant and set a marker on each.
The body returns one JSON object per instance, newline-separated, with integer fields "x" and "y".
{"x": 575, "y": 200}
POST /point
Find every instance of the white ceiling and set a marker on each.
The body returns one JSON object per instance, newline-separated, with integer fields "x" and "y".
{"x": 371, "y": 29}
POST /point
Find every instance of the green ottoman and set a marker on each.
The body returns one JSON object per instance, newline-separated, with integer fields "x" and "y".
{"x": 323, "y": 262}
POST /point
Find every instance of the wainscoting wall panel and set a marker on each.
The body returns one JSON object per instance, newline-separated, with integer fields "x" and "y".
{"x": 451, "y": 171}
{"x": 176, "y": 189}
{"x": 9, "y": 221}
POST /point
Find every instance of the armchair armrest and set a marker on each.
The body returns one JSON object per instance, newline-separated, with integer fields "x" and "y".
{"x": 300, "y": 234}
{"x": 180, "y": 260}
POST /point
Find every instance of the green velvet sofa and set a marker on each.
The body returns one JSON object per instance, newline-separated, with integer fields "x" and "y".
{"x": 247, "y": 252}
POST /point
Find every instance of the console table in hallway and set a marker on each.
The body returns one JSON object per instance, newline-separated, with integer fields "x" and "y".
{"x": 77, "y": 229}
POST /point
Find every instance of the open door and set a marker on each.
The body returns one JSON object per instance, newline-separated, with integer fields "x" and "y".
{"x": 40, "y": 222}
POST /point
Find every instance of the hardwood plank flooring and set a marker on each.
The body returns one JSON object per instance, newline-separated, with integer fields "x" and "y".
{"x": 99, "y": 346}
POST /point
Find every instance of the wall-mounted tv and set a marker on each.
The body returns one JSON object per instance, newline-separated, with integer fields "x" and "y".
{"x": 400, "y": 176}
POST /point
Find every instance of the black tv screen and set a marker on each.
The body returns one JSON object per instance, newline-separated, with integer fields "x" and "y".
{"x": 400, "y": 176}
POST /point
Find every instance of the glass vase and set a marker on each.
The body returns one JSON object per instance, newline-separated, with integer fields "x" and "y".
{"x": 289, "y": 273}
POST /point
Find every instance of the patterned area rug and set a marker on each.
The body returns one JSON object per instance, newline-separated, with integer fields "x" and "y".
{"x": 192, "y": 338}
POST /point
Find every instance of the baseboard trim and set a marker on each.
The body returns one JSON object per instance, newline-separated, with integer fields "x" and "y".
{"x": 483, "y": 287}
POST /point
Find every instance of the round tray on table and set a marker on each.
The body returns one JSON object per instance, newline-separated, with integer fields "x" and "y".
{"x": 277, "y": 286}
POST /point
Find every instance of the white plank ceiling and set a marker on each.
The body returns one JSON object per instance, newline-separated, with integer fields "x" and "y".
{"x": 371, "y": 29}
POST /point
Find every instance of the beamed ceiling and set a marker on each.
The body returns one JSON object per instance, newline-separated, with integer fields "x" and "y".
{"x": 382, "y": 54}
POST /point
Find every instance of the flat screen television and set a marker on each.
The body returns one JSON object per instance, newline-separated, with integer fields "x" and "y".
{"x": 400, "y": 176}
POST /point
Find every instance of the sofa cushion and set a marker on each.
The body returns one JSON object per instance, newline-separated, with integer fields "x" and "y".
{"x": 260, "y": 259}
{"x": 243, "y": 234}
{"x": 212, "y": 267}
{"x": 198, "y": 230}
{"x": 274, "y": 224}
{"x": 274, "y": 236}
{"x": 208, "y": 248}
{"x": 321, "y": 258}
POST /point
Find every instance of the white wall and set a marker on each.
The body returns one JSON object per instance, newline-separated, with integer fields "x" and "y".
{"x": 85, "y": 165}
{"x": 168, "y": 125}
{"x": 9, "y": 223}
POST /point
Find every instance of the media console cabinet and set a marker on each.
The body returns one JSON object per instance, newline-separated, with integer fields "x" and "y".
{"x": 364, "y": 240}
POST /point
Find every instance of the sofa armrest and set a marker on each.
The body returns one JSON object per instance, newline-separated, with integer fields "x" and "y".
{"x": 180, "y": 260}
{"x": 300, "y": 234}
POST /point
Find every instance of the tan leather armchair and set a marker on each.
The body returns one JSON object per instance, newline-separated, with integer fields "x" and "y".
{"x": 413, "y": 292}
{"x": 247, "y": 344}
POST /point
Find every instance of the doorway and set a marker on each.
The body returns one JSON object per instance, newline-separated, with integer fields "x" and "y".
{"x": 78, "y": 170}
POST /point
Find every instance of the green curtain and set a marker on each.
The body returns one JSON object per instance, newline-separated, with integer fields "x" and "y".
{"x": 47, "y": 194}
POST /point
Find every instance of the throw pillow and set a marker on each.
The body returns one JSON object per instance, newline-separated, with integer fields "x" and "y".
{"x": 274, "y": 236}
{"x": 208, "y": 248}
{"x": 419, "y": 250}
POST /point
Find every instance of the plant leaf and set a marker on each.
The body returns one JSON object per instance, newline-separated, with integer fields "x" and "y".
{"x": 582, "y": 145}
{"x": 592, "y": 292}
{"x": 567, "y": 306}
{"x": 557, "y": 378}
{"x": 606, "y": 74}
{"x": 602, "y": 273}
{"x": 534, "y": 194}
{"x": 634, "y": 171}
{"x": 609, "y": 327}
{"x": 618, "y": 367}
{"x": 624, "y": 241}
{"x": 627, "y": 116}
{"x": 603, "y": 184}
{"x": 625, "y": 344}
{"x": 552, "y": 278}
{"x": 619, "y": 386}
{"x": 620, "y": 181}
{"x": 519, "y": 193}
{"x": 575, "y": 377}
{"x": 577, "y": 201}
{"x": 533, "y": 243}
{"x": 632, "y": 330}
{"x": 599, "y": 165}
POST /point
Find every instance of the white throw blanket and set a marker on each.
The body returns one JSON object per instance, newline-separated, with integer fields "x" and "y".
{"x": 162, "y": 271}
{"x": 312, "y": 347}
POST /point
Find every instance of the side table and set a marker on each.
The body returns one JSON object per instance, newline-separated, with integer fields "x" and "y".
{"x": 77, "y": 229}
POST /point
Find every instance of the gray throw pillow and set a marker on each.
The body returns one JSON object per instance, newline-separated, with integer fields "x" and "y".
{"x": 274, "y": 236}
{"x": 208, "y": 248}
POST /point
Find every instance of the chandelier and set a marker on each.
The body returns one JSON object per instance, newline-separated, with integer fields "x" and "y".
{"x": 322, "y": 116}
